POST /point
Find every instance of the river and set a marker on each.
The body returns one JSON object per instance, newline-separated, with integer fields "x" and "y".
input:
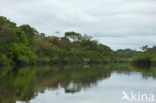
{"x": 102, "y": 83}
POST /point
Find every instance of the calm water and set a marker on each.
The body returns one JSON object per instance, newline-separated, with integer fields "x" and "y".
{"x": 77, "y": 84}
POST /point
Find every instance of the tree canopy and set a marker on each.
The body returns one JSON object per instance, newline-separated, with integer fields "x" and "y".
{"x": 24, "y": 44}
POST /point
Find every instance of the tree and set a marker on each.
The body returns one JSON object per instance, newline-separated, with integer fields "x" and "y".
{"x": 29, "y": 32}
{"x": 73, "y": 35}
{"x": 145, "y": 48}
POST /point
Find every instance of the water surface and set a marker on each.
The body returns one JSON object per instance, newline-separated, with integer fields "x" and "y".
{"x": 75, "y": 83}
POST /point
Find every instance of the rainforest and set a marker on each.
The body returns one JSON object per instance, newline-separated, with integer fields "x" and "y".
{"x": 25, "y": 45}
{"x": 37, "y": 68}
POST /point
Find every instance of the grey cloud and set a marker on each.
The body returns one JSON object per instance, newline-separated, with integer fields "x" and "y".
{"x": 106, "y": 20}
{"x": 133, "y": 42}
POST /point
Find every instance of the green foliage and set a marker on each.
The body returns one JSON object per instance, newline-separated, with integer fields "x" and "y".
{"x": 143, "y": 57}
{"x": 55, "y": 58}
{"x": 123, "y": 59}
{"x": 24, "y": 44}
{"x": 23, "y": 53}
{"x": 153, "y": 60}
{"x": 148, "y": 49}
{"x": 147, "y": 57}
{"x": 4, "y": 59}
{"x": 125, "y": 53}
{"x": 16, "y": 43}
{"x": 29, "y": 32}
{"x": 73, "y": 35}
{"x": 86, "y": 60}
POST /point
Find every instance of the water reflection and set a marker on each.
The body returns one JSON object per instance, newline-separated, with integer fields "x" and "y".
{"x": 25, "y": 83}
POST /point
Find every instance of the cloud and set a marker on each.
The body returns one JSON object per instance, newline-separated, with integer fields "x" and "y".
{"x": 133, "y": 42}
{"x": 108, "y": 20}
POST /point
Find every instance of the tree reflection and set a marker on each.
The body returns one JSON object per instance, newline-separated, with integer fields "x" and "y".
{"x": 24, "y": 83}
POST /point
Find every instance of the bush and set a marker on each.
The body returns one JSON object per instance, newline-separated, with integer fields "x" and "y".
{"x": 4, "y": 60}
{"x": 86, "y": 60}
{"x": 142, "y": 59}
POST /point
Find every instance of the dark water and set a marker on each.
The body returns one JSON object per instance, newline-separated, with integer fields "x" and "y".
{"x": 77, "y": 84}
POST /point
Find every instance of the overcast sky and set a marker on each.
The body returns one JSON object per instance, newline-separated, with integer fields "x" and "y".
{"x": 116, "y": 23}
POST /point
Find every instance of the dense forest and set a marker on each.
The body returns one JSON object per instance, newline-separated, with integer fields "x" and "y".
{"x": 146, "y": 57}
{"x": 25, "y": 45}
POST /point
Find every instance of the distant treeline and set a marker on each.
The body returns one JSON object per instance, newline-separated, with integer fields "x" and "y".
{"x": 146, "y": 57}
{"x": 25, "y": 45}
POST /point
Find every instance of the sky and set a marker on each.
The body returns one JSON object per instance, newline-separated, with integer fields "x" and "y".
{"x": 115, "y": 23}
